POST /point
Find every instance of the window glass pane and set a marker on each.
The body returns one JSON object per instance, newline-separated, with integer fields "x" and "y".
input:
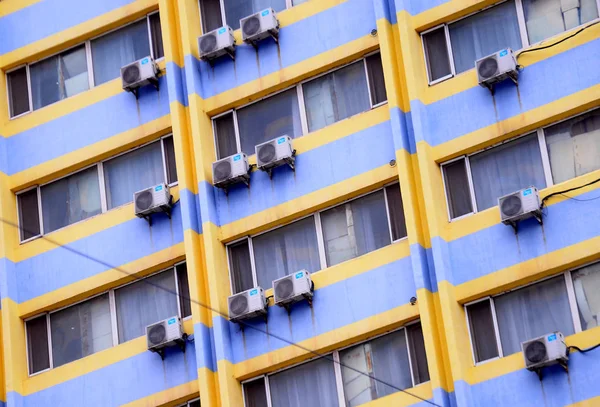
{"x": 73, "y": 72}
{"x": 241, "y": 269}
{"x": 158, "y": 50}
{"x": 586, "y": 282}
{"x": 45, "y": 87}
{"x": 355, "y": 228}
{"x": 296, "y": 2}
{"x": 574, "y": 146}
{"x": 436, "y": 54}
{"x": 457, "y": 188}
{"x": 29, "y": 214}
{"x": 418, "y": 357}
{"x": 255, "y": 394}
{"x": 37, "y": 344}
{"x": 183, "y": 285}
{"x": 71, "y": 199}
{"x": 483, "y": 333}
{"x": 286, "y": 250}
{"x": 336, "y": 96}
{"x": 119, "y": 48}
{"x": 170, "y": 160}
{"x": 237, "y": 9}
{"x": 550, "y": 17}
{"x": 483, "y": 34}
{"x": 396, "y": 209}
{"x": 533, "y": 311}
{"x": 18, "y": 93}
{"x": 143, "y": 303}
{"x": 132, "y": 172}
{"x": 376, "y": 79}
{"x": 269, "y": 118}
{"x": 310, "y": 384}
{"x": 225, "y": 136}
{"x": 506, "y": 169}
{"x": 210, "y": 11}
{"x": 81, "y": 330}
{"x": 385, "y": 358}
{"x": 195, "y": 403}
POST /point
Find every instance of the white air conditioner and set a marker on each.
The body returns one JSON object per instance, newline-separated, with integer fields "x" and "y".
{"x": 274, "y": 153}
{"x": 138, "y": 74}
{"x": 217, "y": 43}
{"x": 520, "y": 205}
{"x": 151, "y": 200}
{"x": 544, "y": 351}
{"x": 247, "y": 304}
{"x": 496, "y": 68}
{"x": 164, "y": 334}
{"x": 231, "y": 170}
{"x": 259, "y": 26}
{"x": 293, "y": 288}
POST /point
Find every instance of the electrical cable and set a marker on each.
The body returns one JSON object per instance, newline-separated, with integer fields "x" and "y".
{"x": 222, "y": 314}
{"x": 563, "y": 192}
{"x": 583, "y": 350}
{"x": 558, "y": 42}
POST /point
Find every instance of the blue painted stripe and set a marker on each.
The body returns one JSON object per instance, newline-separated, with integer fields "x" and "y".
{"x": 48, "y": 17}
{"x": 204, "y": 345}
{"x": 176, "y": 81}
{"x": 414, "y": 7}
{"x": 190, "y": 211}
{"x": 402, "y": 130}
{"x": 423, "y": 269}
{"x": 353, "y": 299}
{"x": 385, "y": 9}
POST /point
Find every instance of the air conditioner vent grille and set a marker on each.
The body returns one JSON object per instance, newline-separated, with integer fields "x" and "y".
{"x": 144, "y": 200}
{"x": 157, "y": 334}
{"x": 284, "y": 289}
{"x": 251, "y": 26}
{"x": 535, "y": 352}
{"x": 488, "y": 67}
{"x": 208, "y": 43}
{"x": 222, "y": 171}
{"x": 266, "y": 153}
{"x": 239, "y": 305}
{"x": 512, "y": 205}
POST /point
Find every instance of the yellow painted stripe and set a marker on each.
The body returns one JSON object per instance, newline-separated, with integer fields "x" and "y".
{"x": 593, "y": 402}
{"x": 448, "y": 11}
{"x": 404, "y": 399}
{"x": 172, "y": 397}
{"x": 10, "y": 6}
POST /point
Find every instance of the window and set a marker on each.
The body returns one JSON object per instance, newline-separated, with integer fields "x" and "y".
{"x": 321, "y": 382}
{"x": 80, "y": 330}
{"x": 192, "y": 403}
{"x": 212, "y": 11}
{"x": 66, "y": 74}
{"x": 346, "y": 231}
{"x": 79, "y": 196}
{"x": 475, "y": 182}
{"x": 310, "y": 106}
{"x": 498, "y": 325}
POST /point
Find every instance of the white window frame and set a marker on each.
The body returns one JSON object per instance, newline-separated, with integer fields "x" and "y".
{"x": 334, "y": 357}
{"x": 29, "y": 94}
{"x": 301, "y": 104}
{"x": 89, "y": 62}
{"x": 113, "y": 315}
{"x": 522, "y": 32}
{"x": 319, "y": 232}
{"x": 189, "y": 402}
{"x": 101, "y": 184}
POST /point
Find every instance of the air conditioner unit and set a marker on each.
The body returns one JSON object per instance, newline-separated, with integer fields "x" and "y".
{"x": 164, "y": 334}
{"x": 217, "y": 43}
{"x": 231, "y": 170}
{"x": 274, "y": 153}
{"x": 151, "y": 200}
{"x": 293, "y": 288}
{"x": 546, "y": 350}
{"x": 138, "y": 74}
{"x": 259, "y": 26}
{"x": 520, "y": 205}
{"x": 496, "y": 68}
{"x": 247, "y": 304}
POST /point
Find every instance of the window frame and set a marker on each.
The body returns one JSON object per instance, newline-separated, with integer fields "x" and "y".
{"x": 187, "y": 403}
{"x": 334, "y": 356}
{"x": 113, "y": 316}
{"x": 29, "y": 94}
{"x": 319, "y": 232}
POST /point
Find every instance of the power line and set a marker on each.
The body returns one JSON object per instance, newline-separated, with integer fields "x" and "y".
{"x": 208, "y": 307}
{"x": 558, "y": 42}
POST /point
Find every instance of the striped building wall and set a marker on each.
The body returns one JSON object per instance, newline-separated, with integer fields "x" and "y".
{"x": 443, "y": 264}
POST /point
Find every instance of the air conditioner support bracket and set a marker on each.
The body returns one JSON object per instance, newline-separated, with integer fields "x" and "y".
{"x": 291, "y": 162}
{"x": 180, "y": 343}
{"x": 167, "y": 209}
{"x": 537, "y": 215}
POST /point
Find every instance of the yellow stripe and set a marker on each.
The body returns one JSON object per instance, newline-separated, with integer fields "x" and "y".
{"x": 448, "y": 11}
{"x": 593, "y": 402}
{"x": 172, "y": 397}
{"x": 10, "y": 6}
{"x": 404, "y": 399}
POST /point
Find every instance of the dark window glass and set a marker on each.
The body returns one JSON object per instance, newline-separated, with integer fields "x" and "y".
{"x": 238, "y": 9}
{"x": 241, "y": 270}
{"x": 225, "y": 136}
{"x": 183, "y": 285}
{"x": 483, "y": 334}
{"x": 376, "y": 79}
{"x": 436, "y": 54}
{"x": 195, "y": 403}
{"x": 29, "y": 214}
{"x": 396, "y": 208}
{"x": 255, "y": 394}
{"x": 156, "y": 32}
{"x": 210, "y": 11}
{"x": 418, "y": 357}
{"x": 37, "y": 344}
{"x": 170, "y": 160}
{"x": 457, "y": 189}
{"x": 18, "y": 92}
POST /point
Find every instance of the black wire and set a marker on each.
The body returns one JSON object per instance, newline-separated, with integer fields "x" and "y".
{"x": 222, "y": 314}
{"x": 569, "y": 190}
{"x": 580, "y": 200}
{"x": 583, "y": 350}
{"x": 556, "y": 43}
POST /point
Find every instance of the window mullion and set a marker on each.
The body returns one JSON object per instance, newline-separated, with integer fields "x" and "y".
{"x": 320, "y": 241}
{"x": 238, "y": 140}
{"x": 150, "y": 42}
{"x": 113, "y": 317}
{"x": 49, "y": 329}
{"x": 164, "y": 160}
{"x": 90, "y": 66}
{"x": 449, "y": 47}
{"x": 573, "y": 302}
{"x": 102, "y": 184}
{"x": 545, "y": 158}
{"x": 268, "y": 391}
{"x": 253, "y": 263}
{"x": 29, "y": 88}
{"x": 522, "y": 24}
{"x": 410, "y": 363}
{"x": 41, "y": 212}
{"x": 302, "y": 108}
{"x": 471, "y": 186}
{"x": 496, "y": 329}
{"x": 387, "y": 211}
{"x": 339, "y": 382}
{"x": 177, "y": 293}
{"x": 368, "y": 82}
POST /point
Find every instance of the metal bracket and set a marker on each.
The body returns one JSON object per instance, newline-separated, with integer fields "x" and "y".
{"x": 291, "y": 162}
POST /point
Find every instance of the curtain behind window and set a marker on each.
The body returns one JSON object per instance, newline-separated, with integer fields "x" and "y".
{"x": 210, "y": 11}
{"x": 255, "y": 394}
{"x": 436, "y": 53}
{"x": 240, "y": 266}
{"x": 113, "y": 51}
{"x": 143, "y": 303}
{"x": 132, "y": 172}
{"x": 336, "y": 96}
{"x": 310, "y": 384}
{"x": 483, "y": 333}
{"x": 45, "y": 87}
{"x": 225, "y": 136}
{"x": 18, "y": 93}
{"x": 546, "y": 18}
{"x": 533, "y": 311}
{"x": 506, "y": 169}
{"x": 483, "y": 34}
{"x": 574, "y": 146}
{"x": 71, "y": 199}
{"x": 238, "y": 9}
{"x": 586, "y": 282}
{"x": 286, "y": 250}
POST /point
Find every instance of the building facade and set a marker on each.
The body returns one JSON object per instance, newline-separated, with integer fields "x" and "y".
{"x": 422, "y": 296}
